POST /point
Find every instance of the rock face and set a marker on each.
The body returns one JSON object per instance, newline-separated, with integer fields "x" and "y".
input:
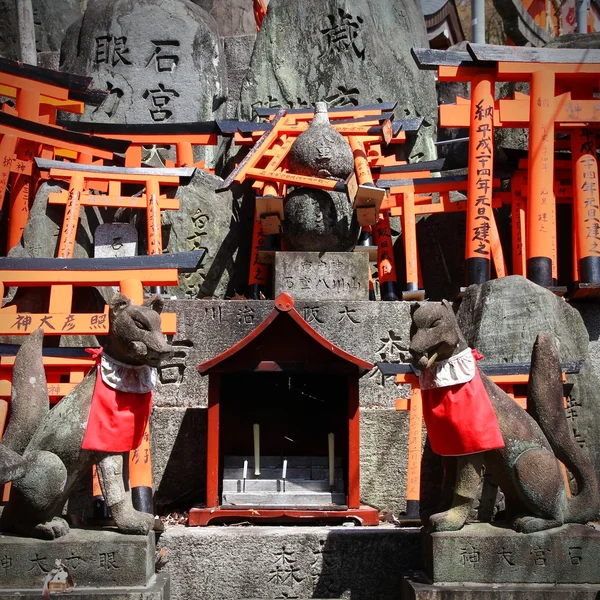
{"x": 216, "y": 223}
{"x": 319, "y": 221}
{"x": 353, "y": 52}
{"x": 51, "y": 19}
{"x": 161, "y": 61}
{"x": 502, "y": 318}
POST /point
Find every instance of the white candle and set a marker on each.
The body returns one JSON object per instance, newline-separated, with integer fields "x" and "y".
{"x": 331, "y": 440}
{"x": 284, "y": 474}
{"x": 256, "y": 428}
{"x": 245, "y": 470}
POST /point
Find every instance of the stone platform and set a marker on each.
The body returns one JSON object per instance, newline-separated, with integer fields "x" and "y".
{"x": 413, "y": 590}
{"x": 483, "y": 553}
{"x": 157, "y": 589}
{"x": 233, "y": 563}
{"x": 96, "y": 559}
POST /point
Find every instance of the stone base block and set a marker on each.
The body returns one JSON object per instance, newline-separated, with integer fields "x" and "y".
{"x": 483, "y": 553}
{"x": 413, "y": 590}
{"x": 232, "y": 563}
{"x": 157, "y": 589}
{"x": 96, "y": 558}
{"x": 322, "y": 276}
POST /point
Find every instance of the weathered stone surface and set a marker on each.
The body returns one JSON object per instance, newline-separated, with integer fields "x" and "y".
{"x": 112, "y": 240}
{"x": 482, "y": 553}
{"x": 502, "y": 318}
{"x": 301, "y": 562}
{"x": 576, "y": 40}
{"x": 414, "y": 590}
{"x": 321, "y": 151}
{"x": 157, "y": 589}
{"x": 327, "y": 276}
{"x": 96, "y": 559}
{"x": 374, "y": 331}
{"x": 319, "y": 221}
{"x": 51, "y": 18}
{"x": 234, "y": 17}
{"x": 344, "y": 53}
{"x": 217, "y": 223}
{"x": 238, "y": 51}
{"x": 161, "y": 60}
{"x": 178, "y": 456}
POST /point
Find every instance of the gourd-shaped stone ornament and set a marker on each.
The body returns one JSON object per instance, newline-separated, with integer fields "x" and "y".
{"x": 317, "y": 220}
{"x": 321, "y": 151}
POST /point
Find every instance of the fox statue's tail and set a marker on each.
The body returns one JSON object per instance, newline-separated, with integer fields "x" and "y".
{"x": 545, "y": 405}
{"x": 29, "y": 402}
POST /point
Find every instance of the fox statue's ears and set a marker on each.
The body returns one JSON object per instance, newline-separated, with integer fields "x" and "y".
{"x": 119, "y": 302}
{"x": 448, "y": 305}
{"x": 156, "y": 303}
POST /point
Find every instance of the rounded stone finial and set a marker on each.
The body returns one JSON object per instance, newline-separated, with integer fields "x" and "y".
{"x": 321, "y": 151}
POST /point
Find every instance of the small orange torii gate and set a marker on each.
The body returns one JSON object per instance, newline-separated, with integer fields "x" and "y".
{"x": 41, "y": 140}
{"x": 562, "y": 84}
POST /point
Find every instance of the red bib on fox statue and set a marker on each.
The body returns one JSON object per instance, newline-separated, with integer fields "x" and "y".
{"x": 121, "y": 405}
{"x": 457, "y": 410}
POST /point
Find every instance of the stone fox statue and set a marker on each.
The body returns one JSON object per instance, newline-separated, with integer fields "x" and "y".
{"x": 469, "y": 417}
{"x": 42, "y": 453}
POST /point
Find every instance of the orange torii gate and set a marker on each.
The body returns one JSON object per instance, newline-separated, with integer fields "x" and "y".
{"x": 38, "y": 94}
{"x": 403, "y": 202}
{"x": 14, "y": 131}
{"x": 184, "y": 136}
{"x": 85, "y": 178}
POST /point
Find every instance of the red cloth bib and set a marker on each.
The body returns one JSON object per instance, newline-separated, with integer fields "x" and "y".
{"x": 117, "y": 419}
{"x": 460, "y": 419}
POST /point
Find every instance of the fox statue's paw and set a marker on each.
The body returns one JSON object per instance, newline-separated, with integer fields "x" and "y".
{"x": 51, "y": 529}
{"x": 136, "y": 522}
{"x": 534, "y": 524}
{"x": 450, "y": 520}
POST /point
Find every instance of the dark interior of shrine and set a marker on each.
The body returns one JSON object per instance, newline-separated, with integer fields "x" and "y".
{"x": 296, "y": 412}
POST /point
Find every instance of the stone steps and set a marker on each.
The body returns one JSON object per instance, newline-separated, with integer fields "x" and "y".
{"x": 277, "y": 485}
{"x": 282, "y": 499}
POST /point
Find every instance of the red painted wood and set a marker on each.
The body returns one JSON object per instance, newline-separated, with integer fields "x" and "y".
{"x": 212, "y": 442}
{"x": 199, "y": 517}
{"x": 353, "y": 444}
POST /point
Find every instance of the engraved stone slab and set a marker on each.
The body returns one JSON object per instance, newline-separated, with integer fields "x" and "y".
{"x": 96, "y": 559}
{"x": 482, "y": 553}
{"x": 160, "y": 60}
{"x": 112, "y": 240}
{"x": 322, "y": 276}
{"x": 290, "y": 562}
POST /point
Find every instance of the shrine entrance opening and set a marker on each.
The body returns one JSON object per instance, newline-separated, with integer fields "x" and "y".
{"x": 283, "y": 440}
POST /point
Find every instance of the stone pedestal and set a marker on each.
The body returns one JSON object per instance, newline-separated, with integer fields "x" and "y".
{"x": 322, "y": 276}
{"x": 413, "y": 590}
{"x": 96, "y": 559}
{"x": 236, "y": 563}
{"x": 482, "y": 553}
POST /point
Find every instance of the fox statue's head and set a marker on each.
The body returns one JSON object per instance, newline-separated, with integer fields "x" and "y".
{"x": 135, "y": 336}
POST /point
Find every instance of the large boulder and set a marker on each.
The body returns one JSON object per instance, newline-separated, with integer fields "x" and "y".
{"x": 353, "y": 52}
{"x": 161, "y": 61}
{"x": 51, "y": 19}
{"x": 502, "y": 318}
